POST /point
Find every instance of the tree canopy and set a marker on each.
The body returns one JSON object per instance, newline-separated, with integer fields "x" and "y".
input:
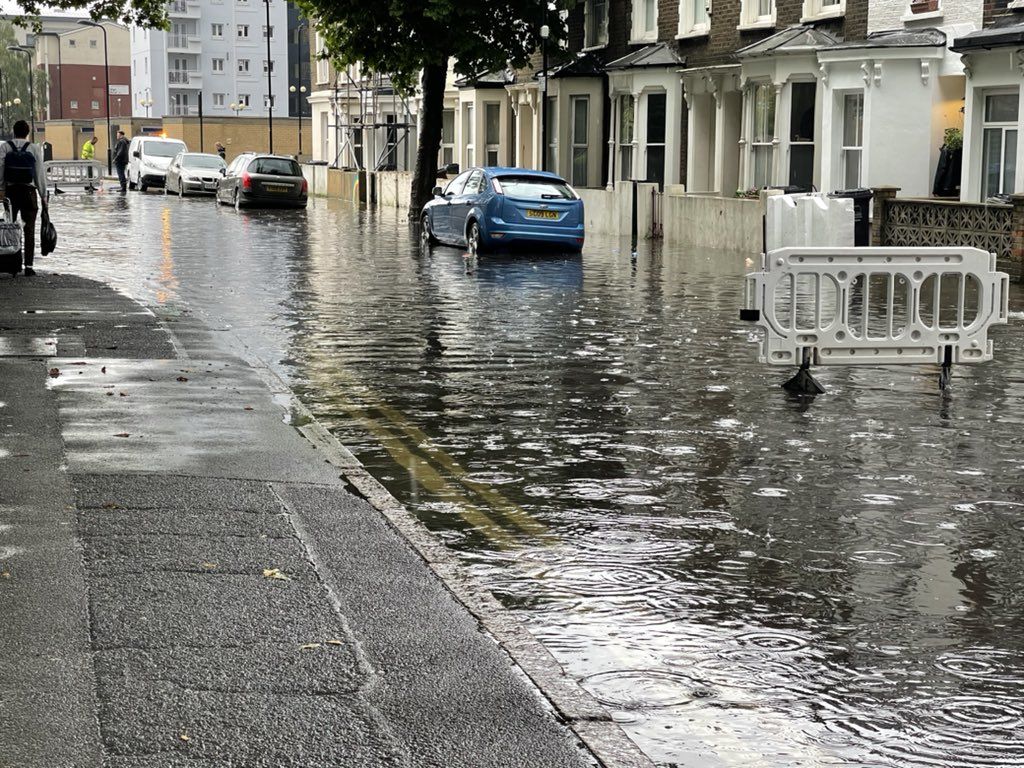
{"x": 14, "y": 81}
{"x": 143, "y": 13}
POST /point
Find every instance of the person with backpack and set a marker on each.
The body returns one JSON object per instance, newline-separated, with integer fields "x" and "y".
{"x": 22, "y": 178}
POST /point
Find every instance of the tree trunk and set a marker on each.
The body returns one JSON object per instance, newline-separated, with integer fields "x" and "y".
{"x": 431, "y": 117}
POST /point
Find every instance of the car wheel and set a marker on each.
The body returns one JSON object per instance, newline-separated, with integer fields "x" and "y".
{"x": 426, "y": 236}
{"x": 473, "y": 238}
{"x": 131, "y": 186}
{"x": 142, "y": 187}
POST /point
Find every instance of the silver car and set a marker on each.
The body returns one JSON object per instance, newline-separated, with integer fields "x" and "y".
{"x": 194, "y": 173}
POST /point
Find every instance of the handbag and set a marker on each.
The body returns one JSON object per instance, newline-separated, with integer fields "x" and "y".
{"x": 47, "y": 234}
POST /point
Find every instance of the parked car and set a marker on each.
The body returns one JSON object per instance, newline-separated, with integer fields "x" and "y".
{"x": 148, "y": 158}
{"x": 194, "y": 173}
{"x": 272, "y": 181}
{"x": 486, "y": 208}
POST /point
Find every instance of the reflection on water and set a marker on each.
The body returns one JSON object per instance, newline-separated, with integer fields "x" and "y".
{"x": 742, "y": 580}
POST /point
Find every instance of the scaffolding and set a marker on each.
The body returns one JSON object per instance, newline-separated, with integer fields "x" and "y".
{"x": 363, "y": 125}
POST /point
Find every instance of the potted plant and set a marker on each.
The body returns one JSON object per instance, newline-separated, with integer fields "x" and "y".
{"x": 924, "y": 6}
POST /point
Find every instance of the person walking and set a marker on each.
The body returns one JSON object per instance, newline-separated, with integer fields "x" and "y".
{"x": 89, "y": 153}
{"x": 22, "y": 178}
{"x": 121, "y": 161}
{"x": 221, "y": 151}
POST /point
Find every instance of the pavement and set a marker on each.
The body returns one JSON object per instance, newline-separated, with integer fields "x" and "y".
{"x": 194, "y": 573}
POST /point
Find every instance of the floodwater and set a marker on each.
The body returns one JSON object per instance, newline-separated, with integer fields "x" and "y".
{"x": 743, "y": 580}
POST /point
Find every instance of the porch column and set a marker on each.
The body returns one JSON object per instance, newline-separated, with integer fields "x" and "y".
{"x": 613, "y": 132}
{"x": 745, "y": 119}
{"x": 777, "y": 140}
{"x": 718, "y": 172}
{"x": 688, "y": 99}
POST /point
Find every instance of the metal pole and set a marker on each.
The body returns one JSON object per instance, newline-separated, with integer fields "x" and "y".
{"x": 270, "y": 85}
{"x": 201, "y": 121}
{"x": 544, "y": 107}
{"x": 32, "y": 99}
{"x": 106, "y": 76}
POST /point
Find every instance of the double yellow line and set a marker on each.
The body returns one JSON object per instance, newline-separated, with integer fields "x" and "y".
{"x": 488, "y": 511}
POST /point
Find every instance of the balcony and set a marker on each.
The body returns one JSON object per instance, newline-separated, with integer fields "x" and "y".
{"x": 183, "y": 43}
{"x": 181, "y": 78}
{"x": 181, "y": 8}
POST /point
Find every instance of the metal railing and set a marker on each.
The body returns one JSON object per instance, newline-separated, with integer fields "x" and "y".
{"x": 73, "y": 173}
{"x": 182, "y": 77}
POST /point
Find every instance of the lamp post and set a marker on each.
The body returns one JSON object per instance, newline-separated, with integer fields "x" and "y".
{"x": 270, "y": 87}
{"x": 147, "y": 103}
{"x": 236, "y": 108}
{"x": 106, "y": 76}
{"x": 60, "y": 73}
{"x": 31, "y": 87}
{"x": 301, "y": 90}
{"x": 545, "y": 33}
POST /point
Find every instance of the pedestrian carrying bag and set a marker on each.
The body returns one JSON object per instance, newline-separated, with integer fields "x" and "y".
{"x": 47, "y": 234}
{"x": 10, "y": 241}
{"x": 19, "y": 164}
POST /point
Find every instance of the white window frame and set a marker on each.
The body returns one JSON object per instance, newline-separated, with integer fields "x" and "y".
{"x": 218, "y": 99}
{"x": 769, "y": 141}
{"x": 243, "y": 99}
{"x": 492, "y": 147}
{"x": 594, "y": 37}
{"x": 447, "y": 147}
{"x": 323, "y": 66}
{"x": 815, "y": 10}
{"x": 242, "y": 31}
{"x": 469, "y": 133}
{"x": 688, "y": 26}
{"x": 268, "y": 64}
{"x": 577, "y": 148}
{"x": 265, "y": 31}
{"x": 640, "y": 32}
{"x": 73, "y": 104}
{"x": 268, "y": 101}
{"x": 1005, "y": 126}
{"x": 752, "y": 15}
{"x": 846, "y": 151}
{"x": 217, "y": 31}
{"x": 217, "y": 65}
{"x": 625, "y": 146}
{"x": 243, "y": 66}
{"x": 95, "y": 105}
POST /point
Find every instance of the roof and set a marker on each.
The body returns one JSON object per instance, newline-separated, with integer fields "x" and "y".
{"x": 793, "y": 40}
{"x": 991, "y": 37}
{"x": 898, "y": 38}
{"x": 582, "y": 65}
{"x": 658, "y": 55}
{"x": 486, "y": 80}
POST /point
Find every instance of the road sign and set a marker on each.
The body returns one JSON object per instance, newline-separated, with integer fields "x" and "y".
{"x": 119, "y": 90}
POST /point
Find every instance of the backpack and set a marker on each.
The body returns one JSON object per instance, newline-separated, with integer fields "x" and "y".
{"x": 19, "y": 164}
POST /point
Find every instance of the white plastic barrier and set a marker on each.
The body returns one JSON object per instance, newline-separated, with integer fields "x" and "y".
{"x": 876, "y": 306}
{"x": 808, "y": 220}
{"x": 73, "y": 173}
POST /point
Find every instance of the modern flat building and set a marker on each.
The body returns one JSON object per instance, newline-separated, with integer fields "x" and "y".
{"x": 298, "y": 63}
{"x": 215, "y": 50}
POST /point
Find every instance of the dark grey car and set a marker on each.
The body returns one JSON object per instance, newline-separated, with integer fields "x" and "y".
{"x": 270, "y": 181}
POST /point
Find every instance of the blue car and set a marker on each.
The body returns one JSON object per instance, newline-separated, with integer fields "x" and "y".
{"x": 489, "y": 208}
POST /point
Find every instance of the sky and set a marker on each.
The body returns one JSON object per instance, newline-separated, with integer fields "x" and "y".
{"x": 9, "y": 6}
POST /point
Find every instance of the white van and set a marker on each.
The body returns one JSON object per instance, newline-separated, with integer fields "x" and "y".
{"x": 148, "y": 158}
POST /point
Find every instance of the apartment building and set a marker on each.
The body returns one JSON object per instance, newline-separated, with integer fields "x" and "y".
{"x": 215, "y": 50}
{"x": 72, "y": 55}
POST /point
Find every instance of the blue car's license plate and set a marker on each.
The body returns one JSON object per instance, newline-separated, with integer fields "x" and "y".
{"x": 532, "y": 214}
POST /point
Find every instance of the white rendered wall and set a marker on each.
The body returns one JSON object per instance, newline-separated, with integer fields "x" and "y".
{"x": 891, "y": 14}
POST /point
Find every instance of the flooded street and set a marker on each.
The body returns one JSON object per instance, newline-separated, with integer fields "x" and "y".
{"x": 743, "y": 580}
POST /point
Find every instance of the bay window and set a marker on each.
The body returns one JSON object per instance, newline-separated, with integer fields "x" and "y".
{"x": 853, "y": 140}
{"x": 762, "y": 140}
{"x": 999, "y": 143}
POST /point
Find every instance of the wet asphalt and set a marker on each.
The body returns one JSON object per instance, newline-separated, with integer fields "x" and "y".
{"x": 187, "y": 580}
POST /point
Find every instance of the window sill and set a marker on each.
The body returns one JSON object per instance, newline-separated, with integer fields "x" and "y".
{"x": 598, "y": 47}
{"x": 929, "y": 16}
{"x": 835, "y": 13}
{"x": 695, "y": 34}
{"x": 647, "y": 40}
{"x": 1015, "y": 5}
{"x": 755, "y": 25}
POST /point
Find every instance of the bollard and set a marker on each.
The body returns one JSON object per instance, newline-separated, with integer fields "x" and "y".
{"x": 633, "y": 227}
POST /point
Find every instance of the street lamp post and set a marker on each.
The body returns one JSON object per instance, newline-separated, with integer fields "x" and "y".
{"x": 60, "y": 73}
{"x": 545, "y": 33}
{"x": 147, "y": 103}
{"x": 31, "y": 87}
{"x": 106, "y": 76}
{"x": 301, "y": 89}
{"x": 270, "y": 87}
{"x": 236, "y": 108}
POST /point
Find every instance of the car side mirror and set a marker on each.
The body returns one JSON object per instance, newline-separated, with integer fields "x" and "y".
{"x": 223, "y": 171}
{"x": 136, "y": 153}
{"x": 437, "y": 192}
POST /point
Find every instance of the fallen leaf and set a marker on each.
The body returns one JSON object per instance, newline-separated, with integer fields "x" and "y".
{"x": 335, "y": 642}
{"x": 103, "y": 369}
{"x": 110, "y": 505}
{"x": 123, "y": 394}
{"x": 208, "y": 565}
{"x": 182, "y": 378}
{"x": 79, "y": 362}
{"x": 184, "y": 737}
{"x": 54, "y": 373}
{"x": 110, "y": 394}
{"x": 5, "y": 574}
{"x": 122, "y": 434}
{"x": 309, "y": 646}
{"x": 249, "y": 408}
{"x": 274, "y": 573}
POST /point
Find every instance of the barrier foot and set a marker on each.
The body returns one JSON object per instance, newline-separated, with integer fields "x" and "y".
{"x": 946, "y": 374}
{"x": 58, "y": 191}
{"x": 804, "y": 384}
